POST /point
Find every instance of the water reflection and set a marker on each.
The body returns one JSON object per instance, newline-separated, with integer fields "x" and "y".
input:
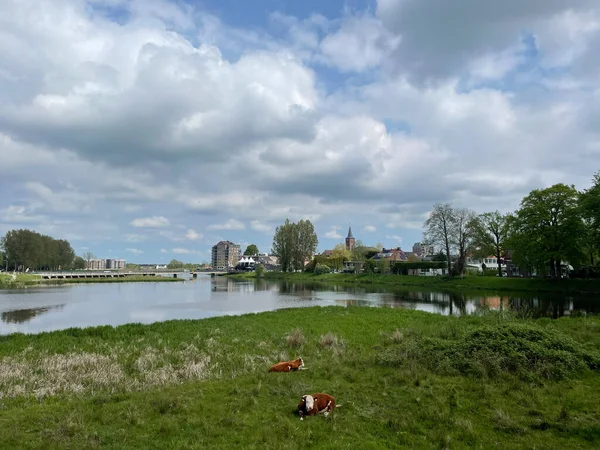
{"x": 25, "y": 315}
{"x": 50, "y": 308}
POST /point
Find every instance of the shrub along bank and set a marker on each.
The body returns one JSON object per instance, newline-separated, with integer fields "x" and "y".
{"x": 404, "y": 379}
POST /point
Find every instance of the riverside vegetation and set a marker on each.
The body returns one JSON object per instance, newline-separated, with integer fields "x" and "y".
{"x": 466, "y": 283}
{"x": 406, "y": 379}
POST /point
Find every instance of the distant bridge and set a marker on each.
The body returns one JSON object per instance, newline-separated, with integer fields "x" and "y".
{"x": 107, "y": 274}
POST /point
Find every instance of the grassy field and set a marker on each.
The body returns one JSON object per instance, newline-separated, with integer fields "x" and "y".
{"x": 24, "y": 280}
{"x": 405, "y": 379}
{"x": 469, "y": 282}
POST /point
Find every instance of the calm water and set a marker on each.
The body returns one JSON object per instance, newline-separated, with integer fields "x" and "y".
{"x": 34, "y": 310}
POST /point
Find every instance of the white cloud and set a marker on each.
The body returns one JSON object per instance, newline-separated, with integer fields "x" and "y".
{"x": 131, "y": 237}
{"x": 151, "y": 222}
{"x": 360, "y": 43}
{"x": 257, "y": 225}
{"x": 231, "y": 224}
{"x": 135, "y": 251}
{"x": 333, "y": 233}
{"x": 364, "y": 117}
{"x": 192, "y": 235}
{"x": 184, "y": 251}
{"x": 394, "y": 237}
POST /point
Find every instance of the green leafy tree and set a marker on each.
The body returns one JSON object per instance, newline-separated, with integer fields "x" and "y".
{"x": 440, "y": 229}
{"x": 307, "y": 243}
{"x": 294, "y": 243}
{"x": 175, "y": 264}
{"x": 78, "y": 263}
{"x": 490, "y": 232}
{"x": 251, "y": 250}
{"x": 548, "y": 229}
{"x": 590, "y": 209}
{"x": 338, "y": 256}
{"x": 29, "y": 249}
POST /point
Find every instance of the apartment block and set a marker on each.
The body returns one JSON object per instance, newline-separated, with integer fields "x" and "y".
{"x": 101, "y": 264}
{"x": 225, "y": 254}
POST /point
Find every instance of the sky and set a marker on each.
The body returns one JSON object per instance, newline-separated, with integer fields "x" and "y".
{"x": 152, "y": 129}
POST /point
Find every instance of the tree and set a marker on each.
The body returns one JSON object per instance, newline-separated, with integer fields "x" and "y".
{"x": 175, "y": 264}
{"x": 463, "y": 236}
{"x": 251, "y": 250}
{"x": 490, "y": 232}
{"x": 87, "y": 257}
{"x": 283, "y": 245}
{"x": 78, "y": 263}
{"x": 590, "y": 209}
{"x": 307, "y": 243}
{"x": 293, "y": 243}
{"x": 548, "y": 228}
{"x": 440, "y": 229}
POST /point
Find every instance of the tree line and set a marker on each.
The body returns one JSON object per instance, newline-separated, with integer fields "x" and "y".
{"x": 551, "y": 226}
{"x": 26, "y": 249}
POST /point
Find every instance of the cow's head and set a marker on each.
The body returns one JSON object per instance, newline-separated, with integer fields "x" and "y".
{"x": 309, "y": 402}
{"x": 300, "y": 362}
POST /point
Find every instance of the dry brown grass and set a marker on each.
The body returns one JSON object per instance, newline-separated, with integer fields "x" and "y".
{"x": 397, "y": 336}
{"x": 75, "y": 373}
{"x": 295, "y": 339}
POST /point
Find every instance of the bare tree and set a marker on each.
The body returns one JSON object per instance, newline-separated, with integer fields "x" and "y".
{"x": 440, "y": 229}
{"x": 87, "y": 257}
{"x": 463, "y": 219}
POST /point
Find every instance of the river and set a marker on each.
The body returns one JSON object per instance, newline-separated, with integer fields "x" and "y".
{"x": 46, "y": 308}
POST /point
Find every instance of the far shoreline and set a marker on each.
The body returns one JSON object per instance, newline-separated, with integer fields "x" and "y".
{"x": 466, "y": 283}
{"x": 27, "y": 280}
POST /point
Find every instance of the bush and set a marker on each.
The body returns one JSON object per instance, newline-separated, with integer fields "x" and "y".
{"x": 492, "y": 350}
{"x": 260, "y": 270}
{"x": 295, "y": 339}
{"x": 322, "y": 268}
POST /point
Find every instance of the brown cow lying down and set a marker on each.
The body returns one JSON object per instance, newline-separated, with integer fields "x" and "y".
{"x": 313, "y": 404}
{"x": 287, "y": 366}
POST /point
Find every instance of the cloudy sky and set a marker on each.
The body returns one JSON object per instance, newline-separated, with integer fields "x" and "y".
{"x": 152, "y": 129}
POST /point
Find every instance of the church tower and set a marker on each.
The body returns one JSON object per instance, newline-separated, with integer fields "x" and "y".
{"x": 350, "y": 240}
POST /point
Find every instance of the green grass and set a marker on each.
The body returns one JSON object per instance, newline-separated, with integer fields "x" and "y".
{"x": 24, "y": 280}
{"x": 405, "y": 379}
{"x": 469, "y": 282}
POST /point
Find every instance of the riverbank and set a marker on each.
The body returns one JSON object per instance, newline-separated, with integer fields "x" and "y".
{"x": 469, "y": 282}
{"x": 404, "y": 379}
{"x": 25, "y": 280}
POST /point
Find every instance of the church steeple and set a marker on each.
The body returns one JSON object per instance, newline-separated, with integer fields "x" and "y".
{"x": 350, "y": 239}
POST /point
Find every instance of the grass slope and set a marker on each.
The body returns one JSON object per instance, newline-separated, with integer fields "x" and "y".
{"x": 469, "y": 282}
{"x": 405, "y": 379}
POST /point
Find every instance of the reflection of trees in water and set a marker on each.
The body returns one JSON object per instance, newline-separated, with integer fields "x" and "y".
{"x": 226, "y": 284}
{"x": 547, "y": 305}
{"x": 25, "y": 315}
{"x": 302, "y": 290}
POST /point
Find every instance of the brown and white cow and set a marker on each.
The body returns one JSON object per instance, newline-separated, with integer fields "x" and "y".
{"x": 287, "y": 366}
{"x": 313, "y": 404}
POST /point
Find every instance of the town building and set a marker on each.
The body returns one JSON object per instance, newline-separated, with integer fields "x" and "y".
{"x": 101, "y": 264}
{"x": 422, "y": 250}
{"x": 350, "y": 241}
{"x": 225, "y": 254}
